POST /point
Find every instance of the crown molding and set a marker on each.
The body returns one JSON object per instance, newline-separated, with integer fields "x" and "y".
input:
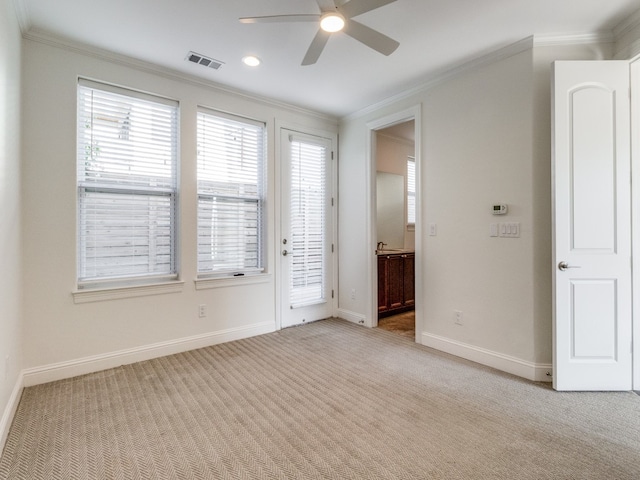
{"x": 598, "y": 38}
{"x": 23, "y": 15}
{"x": 39, "y": 36}
{"x": 447, "y": 74}
{"x": 528, "y": 43}
{"x": 627, "y": 25}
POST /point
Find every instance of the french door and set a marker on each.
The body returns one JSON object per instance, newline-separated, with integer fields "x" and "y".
{"x": 306, "y": 228}
{"x": 592, "y": 344}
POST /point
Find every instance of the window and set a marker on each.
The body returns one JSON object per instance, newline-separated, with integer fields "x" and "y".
{"x": 230, "y": 171}
{"x": 411, "y": 191}
{"x": 308, "y": 222}
{"x": 127, "y": 186}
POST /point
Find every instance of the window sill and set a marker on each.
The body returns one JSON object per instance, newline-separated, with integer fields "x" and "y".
{"x": 220, "y": 282}
{"x": 114, "y": 293}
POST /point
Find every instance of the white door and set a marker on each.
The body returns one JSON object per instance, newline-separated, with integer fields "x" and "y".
{"x": 306, "y": 229}
{"x": 592, "y": 226}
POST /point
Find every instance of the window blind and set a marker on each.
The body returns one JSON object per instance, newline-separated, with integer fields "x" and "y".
{"x": 127, "y": 184}
{"x": 230, "y": 170}
{"x": 307, "y": 229}
{"x": 411, "y": 191}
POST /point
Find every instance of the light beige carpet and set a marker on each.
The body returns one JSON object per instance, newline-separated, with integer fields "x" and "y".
{"x": 326, "y": 400}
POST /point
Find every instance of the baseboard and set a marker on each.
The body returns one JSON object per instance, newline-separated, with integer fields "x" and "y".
{"x": 10, "y": 410}
{"x": 351, "y": 316}
{"x": 82, "y": 366}
{"x": 499, "y": 361}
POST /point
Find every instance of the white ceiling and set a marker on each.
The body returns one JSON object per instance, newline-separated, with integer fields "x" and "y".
{"x": 434, "y": 35}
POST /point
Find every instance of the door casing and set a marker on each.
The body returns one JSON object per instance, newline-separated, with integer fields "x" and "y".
{"x": 278, "y": 203}
{"x": 413, "y": 113}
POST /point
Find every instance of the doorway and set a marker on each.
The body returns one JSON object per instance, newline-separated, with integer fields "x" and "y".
{"x": 395, "y": 241}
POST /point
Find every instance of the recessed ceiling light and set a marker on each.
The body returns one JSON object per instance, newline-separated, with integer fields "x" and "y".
{"x": 332, "y": 22}
{"x": 251, "y": 60}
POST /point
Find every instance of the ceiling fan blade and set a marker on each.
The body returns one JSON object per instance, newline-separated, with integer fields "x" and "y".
{"x": 316, "y": 47}
{"x": 371, "y": 38}
{"x": 314, "y": 17}
{"x": 326, "y": 5}
{"x": 357, "y": 7}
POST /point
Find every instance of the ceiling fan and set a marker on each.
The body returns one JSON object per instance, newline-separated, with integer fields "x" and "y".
{"x": 335, "y": 18}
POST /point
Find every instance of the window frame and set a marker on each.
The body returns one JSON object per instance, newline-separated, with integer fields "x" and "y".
{"x": 137, "y": 283}
{"x": 223, "y": 276}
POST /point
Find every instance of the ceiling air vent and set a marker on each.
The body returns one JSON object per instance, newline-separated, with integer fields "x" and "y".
{"x": 206, "y": 61}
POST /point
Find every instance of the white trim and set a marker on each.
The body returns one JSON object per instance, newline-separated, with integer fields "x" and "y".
{"x": 626, "y": 25}
{"x": 635, "y": 223}
{"x": 599, "y": 38}
{"x": 96, "y": 363}
{"x": 506, "y": 363}
{"x": 221, "y": 282}
{"x": 351, "y": 316}
{"x": 487, "y": 59}
{"x": 23, "y": 15}
{"x": 39, "y": 36}
{"x": 629, "y": 52}
{"x": 447, "y": 74}
{"x": 412, "y": 113}
{"x": 102, "y": 294}
{"x": 10, "y": 410}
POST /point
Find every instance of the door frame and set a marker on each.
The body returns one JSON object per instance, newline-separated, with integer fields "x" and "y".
{"x": 277, "y": 183}
{"x": 634, "y": 67}
{"x": 413, "y": 113}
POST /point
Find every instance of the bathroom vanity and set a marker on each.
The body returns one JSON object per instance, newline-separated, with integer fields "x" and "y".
{"x": 396, "y": 281}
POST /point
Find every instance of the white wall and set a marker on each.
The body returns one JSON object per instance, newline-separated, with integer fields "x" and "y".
{"x": 10, "y": 217}
{"x": 58, "y": 330}
{"x": 485, "y": 140}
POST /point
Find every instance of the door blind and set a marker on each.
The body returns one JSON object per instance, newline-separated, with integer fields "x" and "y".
{"x": 127, "y": 182}
{"x": 307, "y": 229}
{"x": 230, "y": 194}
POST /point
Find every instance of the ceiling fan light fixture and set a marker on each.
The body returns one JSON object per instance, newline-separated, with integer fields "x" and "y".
{"x": 332, "y": 22}
{"x": 251, "y": 61}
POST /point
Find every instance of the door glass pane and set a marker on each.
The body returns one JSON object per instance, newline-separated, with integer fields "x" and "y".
{"x": 308, "y": 211}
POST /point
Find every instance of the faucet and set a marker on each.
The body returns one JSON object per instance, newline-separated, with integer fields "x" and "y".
{"x": 381, "y": 245}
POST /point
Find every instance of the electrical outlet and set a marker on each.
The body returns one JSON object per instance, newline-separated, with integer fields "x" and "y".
{"x": 353, "y": 294}
{"x": 457, "y": 314}
{"x": 202, "y": 311}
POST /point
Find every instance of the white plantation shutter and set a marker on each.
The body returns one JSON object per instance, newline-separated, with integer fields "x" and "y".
{"x": 231, "y": 158}
{"x": 307, "y": 232}
{"x": 127, "y": 182}
{"x": 411, "y": 191}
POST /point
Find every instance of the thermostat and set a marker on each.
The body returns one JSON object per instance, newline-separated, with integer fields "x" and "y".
{"x": 499, "y": 209}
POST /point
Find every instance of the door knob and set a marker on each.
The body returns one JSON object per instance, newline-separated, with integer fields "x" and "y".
{"x": 562, "y": 266}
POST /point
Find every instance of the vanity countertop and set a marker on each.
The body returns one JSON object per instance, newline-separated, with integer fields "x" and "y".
{"x": 394, "y": 251}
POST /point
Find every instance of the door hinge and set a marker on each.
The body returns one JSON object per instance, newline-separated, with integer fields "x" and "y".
{"x": 332, "y": 248}
{"x": 332, "y": 155}
{"x": 332, "y": 201}
{"x": 331, "y": 293}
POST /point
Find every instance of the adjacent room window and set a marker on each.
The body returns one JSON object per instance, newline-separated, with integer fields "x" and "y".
{"x": 127, "y": 186}
{"x": 411, "y": 191}
{"x": 231, "y": 189}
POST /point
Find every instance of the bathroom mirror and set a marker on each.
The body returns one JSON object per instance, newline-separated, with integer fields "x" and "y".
{"x": 390, "y": 208}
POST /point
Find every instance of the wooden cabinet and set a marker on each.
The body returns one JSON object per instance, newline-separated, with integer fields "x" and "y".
{"x": 396, "y": 283}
